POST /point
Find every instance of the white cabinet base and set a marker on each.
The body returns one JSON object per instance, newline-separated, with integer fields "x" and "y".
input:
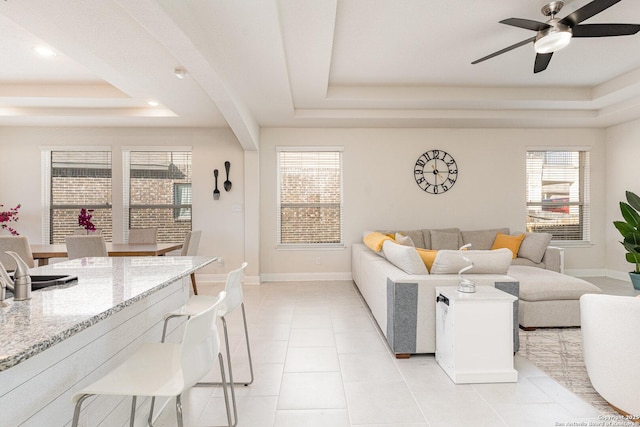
{"x": 474, "y": 335}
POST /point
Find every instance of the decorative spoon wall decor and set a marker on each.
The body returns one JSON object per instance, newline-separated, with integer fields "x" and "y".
{"x": 227, "y": 183}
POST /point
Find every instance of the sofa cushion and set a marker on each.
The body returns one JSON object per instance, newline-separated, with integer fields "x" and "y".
{"x": 446, "y": 238}
{"x": 537, "y": 284}
{"x": 405, "y": 258}
{"x": 426, "y": 237}
{"x": 482, "y": 239}
{"x": 374, "y": 240}
{"x": 534, "y": 246}
{"x": 510, "y": 242}
{"x": 484, "y": 262}
{"x": 527, "y": 262}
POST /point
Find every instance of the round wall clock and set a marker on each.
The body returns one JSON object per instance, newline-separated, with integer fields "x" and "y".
{"x": 435, "y": 171}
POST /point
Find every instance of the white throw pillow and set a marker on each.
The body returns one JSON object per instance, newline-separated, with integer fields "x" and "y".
{"x": 404, "y": 240}
{"x": 484, "y": 262}
{"x": 405, "y": 258}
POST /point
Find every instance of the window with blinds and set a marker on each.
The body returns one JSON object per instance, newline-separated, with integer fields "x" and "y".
{"x": 79, "y": 179}
{"x": 558, "y": 194}
{"x": 309, "y": 196}
{"x": 158, "y": 192}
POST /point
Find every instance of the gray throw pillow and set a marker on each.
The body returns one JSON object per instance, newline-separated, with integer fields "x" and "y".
{"x": 534, "y": 246}
{"x": 446, "y": 238}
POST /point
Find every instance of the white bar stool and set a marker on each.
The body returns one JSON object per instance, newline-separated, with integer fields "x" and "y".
{"x": 197, "y": 303}
{"x": 165, "y": 369}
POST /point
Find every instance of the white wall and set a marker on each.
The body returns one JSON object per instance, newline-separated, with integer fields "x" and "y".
{"x": 223, "y": 229}
{"x": 622, "y": 155}
{"x": 380, "y": 190}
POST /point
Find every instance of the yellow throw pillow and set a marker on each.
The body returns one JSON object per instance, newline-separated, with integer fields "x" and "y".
{"x": 428, "y": 256}
{"x": 510, "y": 242}
{"x": 375, "y": 240}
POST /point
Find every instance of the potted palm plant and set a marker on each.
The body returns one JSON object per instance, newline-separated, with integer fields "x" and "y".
{"x": 630, "y": 230}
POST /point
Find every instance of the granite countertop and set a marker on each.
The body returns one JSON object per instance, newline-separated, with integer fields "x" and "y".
{"x": 104, "y": 287}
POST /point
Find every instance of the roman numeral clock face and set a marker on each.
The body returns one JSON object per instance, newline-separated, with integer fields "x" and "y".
{"x": 435, "y": 171}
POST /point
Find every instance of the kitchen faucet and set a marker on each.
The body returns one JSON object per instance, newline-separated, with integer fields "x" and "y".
{"x": 21, "y": 285}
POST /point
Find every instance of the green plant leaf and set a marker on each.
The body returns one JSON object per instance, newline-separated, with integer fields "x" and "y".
{"x": 633, "y": 258}
{"x": 623, "y": 227}
{"x": 630, "y": 215}
{"x": 633, "y": 238}
{"x": 631, "y": 247}
{"x": 633, "y": 200}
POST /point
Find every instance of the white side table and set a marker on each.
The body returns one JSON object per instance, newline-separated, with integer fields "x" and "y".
{"x": 474, "y": 335}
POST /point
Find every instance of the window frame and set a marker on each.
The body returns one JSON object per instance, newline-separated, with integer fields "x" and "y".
{"x": 308, "y": 245}
{"x": 584, "y": 194}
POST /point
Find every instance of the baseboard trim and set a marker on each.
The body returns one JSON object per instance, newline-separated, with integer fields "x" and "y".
{"x": 277, "y": 277}
{"x": 620, "y": 275}
{"x": 592, "y": 272}
{"x": 305, "y": 277}
{"x": 222, "y": 278}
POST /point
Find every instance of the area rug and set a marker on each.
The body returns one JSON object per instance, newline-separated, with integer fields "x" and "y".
{"x": 558, "y": 352}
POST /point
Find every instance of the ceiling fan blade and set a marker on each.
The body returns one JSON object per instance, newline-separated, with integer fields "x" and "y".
{"x": 605, "y": 30}
{"x": 542, "y": 61}
{"x": 587, "y": 11}
{"x": 506, "y": 49}
{"x": 527, "y": 24}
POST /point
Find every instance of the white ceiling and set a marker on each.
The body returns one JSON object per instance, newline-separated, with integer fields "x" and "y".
{"x": 344, "y": 63}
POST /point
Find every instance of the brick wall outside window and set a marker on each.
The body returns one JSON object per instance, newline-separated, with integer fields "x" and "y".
{"x": 310, "y": 204}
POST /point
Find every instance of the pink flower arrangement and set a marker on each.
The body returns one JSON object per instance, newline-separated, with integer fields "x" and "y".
{"x": 84, "y": 219}
{"x": 9, "y": 216}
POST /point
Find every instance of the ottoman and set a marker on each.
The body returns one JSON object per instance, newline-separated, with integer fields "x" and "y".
{"x": 548, "y": 298}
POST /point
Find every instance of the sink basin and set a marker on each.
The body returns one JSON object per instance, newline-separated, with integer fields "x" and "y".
{"x": 42, "y": 281}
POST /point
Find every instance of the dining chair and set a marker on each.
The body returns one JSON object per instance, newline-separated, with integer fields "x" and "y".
{"x": 190, "y": 248}
{"x": 83, "y": 232}
{"x": 143, "y": 235}
{"x": 197, "y": 303}
{"x": 86, "y": 246}
{"x": 19, "y": 245}
{"x": 165, "y": 369}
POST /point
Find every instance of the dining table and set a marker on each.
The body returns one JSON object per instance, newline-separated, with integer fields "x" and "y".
{"x": 43, "y": 253}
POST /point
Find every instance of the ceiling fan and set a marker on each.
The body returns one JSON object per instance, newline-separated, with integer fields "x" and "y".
{"x": 556, "y": 33}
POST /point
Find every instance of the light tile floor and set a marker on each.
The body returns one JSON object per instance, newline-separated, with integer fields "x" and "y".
{"x": 320, "y": 361}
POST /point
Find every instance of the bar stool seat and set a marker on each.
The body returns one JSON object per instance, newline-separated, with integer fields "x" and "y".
{"x": 165, "y": 369}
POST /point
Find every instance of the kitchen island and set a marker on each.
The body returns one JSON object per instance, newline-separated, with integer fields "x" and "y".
{"x": 68, "y": 335}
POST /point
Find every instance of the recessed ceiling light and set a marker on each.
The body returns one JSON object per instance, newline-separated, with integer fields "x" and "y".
{"x": 153, "y": 103}
{"x": 45, "y": 51}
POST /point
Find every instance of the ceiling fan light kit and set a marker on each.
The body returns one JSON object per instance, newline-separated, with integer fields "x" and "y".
{"x": 556, "y": 34}
{"x": 553, "y": 39}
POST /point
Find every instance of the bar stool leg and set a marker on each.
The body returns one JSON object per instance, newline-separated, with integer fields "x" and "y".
{"x": 246, "y": 336}
{"x": 132, "y": 419}
{"x": 76, "y": 412}
{"x": 224, "y": 389}
{"x": 179, "y": 410}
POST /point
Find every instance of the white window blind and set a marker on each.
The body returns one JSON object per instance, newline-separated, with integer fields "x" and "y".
{"x": 309, "y": 196}
{"x": 558, "y": 194}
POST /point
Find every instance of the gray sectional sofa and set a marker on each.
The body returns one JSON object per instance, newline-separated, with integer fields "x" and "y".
{"x": 402, "y": 300}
